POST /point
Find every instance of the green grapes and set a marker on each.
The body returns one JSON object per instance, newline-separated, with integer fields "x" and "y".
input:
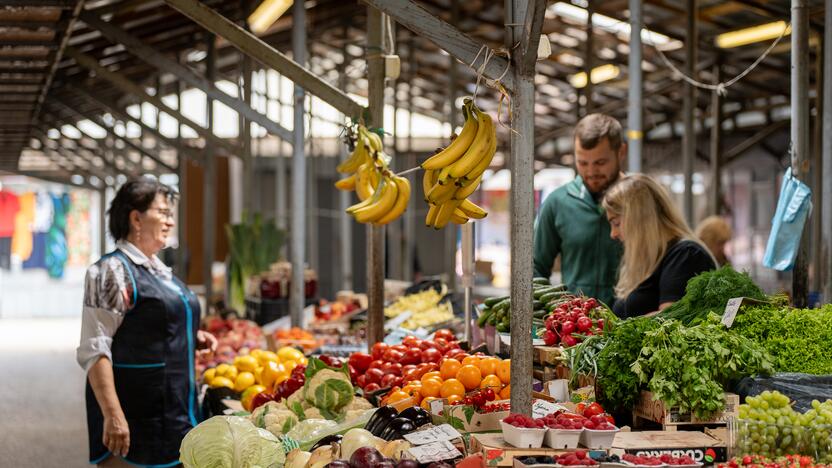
{"x": 766, "y": 426}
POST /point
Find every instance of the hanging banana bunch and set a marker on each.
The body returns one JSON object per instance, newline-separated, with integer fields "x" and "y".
{"x": 453, "y": 174}
{"x": 382, "y": 195}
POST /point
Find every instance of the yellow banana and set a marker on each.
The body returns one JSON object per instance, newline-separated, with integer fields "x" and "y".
{"x": 428, "y": 181}
{"x": 458, "y": 146}
{"x": 458, "y": 217}
{"x": 375, "y": 211}
{"x": 484, "y": 162}
{"x": 402, "y": 198}
{"x": 465, "y": 191}
{"x": 376, "y": 143}
{"x": 364, "y": 184}
{"x": 347, "y": 183}
{"x": 472, "y": 210}
{"x": 356, "y": 159}
{"x": 433, "y": 210}
{"x": 477, "y": 151}
{"x": 440, "y": 193}
{"x": 446, "y": 210}
{"x": 444, "y": 176}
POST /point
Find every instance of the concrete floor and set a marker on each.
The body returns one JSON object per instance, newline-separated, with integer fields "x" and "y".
{"x": 42, "y": 415}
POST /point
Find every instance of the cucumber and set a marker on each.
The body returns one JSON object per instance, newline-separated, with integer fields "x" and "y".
{"x": 550, "y": 295}
{"x": 537, "y": 305}
{"x": 540, "y": 280}
{"x": 504, "y": 304}
{"x": 503, "y": 328}
{"x": 540, "y": 314}
{"x": 547, "y": 290}
{"x": 492, "y": 301}
{"x": 483, "y": 318}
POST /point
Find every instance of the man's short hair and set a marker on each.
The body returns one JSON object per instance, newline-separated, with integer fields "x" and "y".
{"x": 595, "y": 127}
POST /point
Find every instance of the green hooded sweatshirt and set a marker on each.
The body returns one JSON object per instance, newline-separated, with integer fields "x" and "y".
{"x": 573, "y": 225}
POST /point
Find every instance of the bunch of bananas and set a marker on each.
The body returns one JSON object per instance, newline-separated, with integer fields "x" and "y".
{"x": 383, "y": 195}
{"x": 453, "y": 174}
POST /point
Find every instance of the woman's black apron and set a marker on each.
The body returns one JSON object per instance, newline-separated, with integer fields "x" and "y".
{"x": 153, "y": 368}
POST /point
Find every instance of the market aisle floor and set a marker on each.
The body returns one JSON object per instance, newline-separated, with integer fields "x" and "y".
{"x": 41, "y": 394}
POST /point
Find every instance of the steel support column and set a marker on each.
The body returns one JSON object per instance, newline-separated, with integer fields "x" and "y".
{"x": 450, "y": 231}
{"x": 826, "y": 158}
{"x": 182, "y": 171}
{"x": 375, "y": 234}
{"x": 800, "y": 135}
{"x": 298, "y": 234}
{"x": 589, "y": 55}
{"x": 409, "y": 240}
{"x": 689, "y": 112}
{"x": 344, "y": 219}
{"x": 635, "y": 134}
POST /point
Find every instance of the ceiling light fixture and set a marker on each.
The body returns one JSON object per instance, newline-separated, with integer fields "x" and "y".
{"x": 599, "y": 75}
{"x": 762, "y": 32}
{"x": 266, "y": 14}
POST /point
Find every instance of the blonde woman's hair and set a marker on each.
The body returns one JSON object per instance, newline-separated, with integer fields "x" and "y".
{"x": 649, "y": 222}
{"x": 714, "y": 230}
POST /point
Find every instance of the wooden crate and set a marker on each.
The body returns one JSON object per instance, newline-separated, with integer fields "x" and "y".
{"x": 547, "y": 355}
{"x": 671, "y": 418}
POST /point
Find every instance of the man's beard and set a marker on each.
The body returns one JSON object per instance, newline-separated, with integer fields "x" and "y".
{"x": 600, "y": 193}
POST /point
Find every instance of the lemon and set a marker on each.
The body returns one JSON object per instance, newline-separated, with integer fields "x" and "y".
{"x": 218, "y": 382}
{"x": 209, "y": 375}
{"x": 289, "y": 365}
{"x": 232, "y": 372}
{"x": 249, "y": 395}
{"x": 245, "y": 363}
{"x": 288, "y": 353}
{"x": 243, "y": 381}
{"x": 267, "y": 356}
{"x": 222, "y": 369}
{"x": 255, "y": 353}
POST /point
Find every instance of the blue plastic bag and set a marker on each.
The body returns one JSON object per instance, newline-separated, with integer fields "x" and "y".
{"x": 793, "y": 209}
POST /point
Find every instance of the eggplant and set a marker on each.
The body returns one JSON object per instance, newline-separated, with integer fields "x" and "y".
{"x": 379, "y": 420}
{"x": 328, "y": 440}
{"x": 397, "y": 428}
{"x": 418, "y": 415}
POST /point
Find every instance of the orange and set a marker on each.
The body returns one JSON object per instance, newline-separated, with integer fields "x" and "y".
{"x": 504, "y": 371}
{"x": 470, "y": 360}
{"x": 453, "y": 399}
{"x": 431, "y": 375}
{"x": 493, "y": 382}
{"x": 398, "y": 395}
{"x": 488, "y": 366}
{"x": 505, "y": 393}
{"x": 470, "y": 376}
{"x": 411, "y": 387}
{"x": 430, "y": 388}
{"x": 449, "y": 368}
{"x": 426, "y": 402}
{"x": 451, "y": 387}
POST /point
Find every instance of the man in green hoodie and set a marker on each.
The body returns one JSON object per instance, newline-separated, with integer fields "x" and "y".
{"x": 572, "y": 223}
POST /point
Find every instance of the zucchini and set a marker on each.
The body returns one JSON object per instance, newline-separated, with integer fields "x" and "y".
{"x": 504, "y": 304}
{"x": 551, "y": 295}
{"x": 548, "y": 289}
{"x": 503, "y": 328}
{"x": 540, "y": 280}
{"x": 483, "y": 318}
{"x": 537, "y": 305}
{"x": 492, "y": 301}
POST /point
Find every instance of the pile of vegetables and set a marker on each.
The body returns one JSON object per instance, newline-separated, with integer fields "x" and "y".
{"x": 497, "y": 311}
{"x": 797, "y": 339}
{"x": 621, "y": 347}
{"x": 709, "y": 292}
{"x": 574, "y": 319}
{"x": 229, "y": 441}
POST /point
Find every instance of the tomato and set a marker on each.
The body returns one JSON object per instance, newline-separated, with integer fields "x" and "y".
{"x": 453, "y": 353}
{"x": 431, "y": 355}
{"x": 361, "y": 380}
{"x": 411, "y": 374}
{"x": 379, "y": 349}
{"x": 388, "y": 380}
{"x": 392, "y": 355}
{"x": 371, "y": 387}
{"x": 374, "y": 375}
{"x": 408, "y": 368}
{"x": 445, "y": 334}
{"x": 441, "y": 344}
{"x": 411, "y": 341}
{"x": 392, "y": 368}
{"x": 360, "y": 361}
{"x": 580, "y": 407}
{"x": 413, "y": 355}
{"x": 593, "y": 409}
{"x": 377, "y": 364}
{"x": 399, "y": 347}
{"x": 425, "y": 344}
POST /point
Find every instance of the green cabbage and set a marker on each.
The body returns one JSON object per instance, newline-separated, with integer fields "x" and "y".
{"x": 230, "y": 442}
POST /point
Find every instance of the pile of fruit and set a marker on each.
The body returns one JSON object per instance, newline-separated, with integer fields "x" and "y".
{"x": 255, "y": 372}
{"x": 521, "y": 420}
{"x": 576, "y": 458}
{"x": 769, "y": 426}
{"x": 455, "y": 172}
{"x": 758, "y": 461}
{"x": 295, "y": 337}
{"x": 234, "y": 336}
{"x": 497, "y": 311}
{"x": 326, "y": 311}
{"x": 383, "y": 195}
{"x": 572, "y": 319}
{"x": 425, "y": 308}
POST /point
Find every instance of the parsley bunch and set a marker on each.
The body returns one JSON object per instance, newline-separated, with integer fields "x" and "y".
{"x": 619, "y": 387}
{"x": 690, "y": 367}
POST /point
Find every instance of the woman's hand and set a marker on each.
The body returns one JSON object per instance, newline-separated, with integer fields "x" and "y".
{"x": 206, "y": 342}
{"x": 117, "y": 434}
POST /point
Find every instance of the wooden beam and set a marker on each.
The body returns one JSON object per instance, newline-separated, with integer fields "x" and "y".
{"x": 257, "y": 49}
{"x": 127, "y": 86}
{"x": 532, "y": 27}
{"x": 165, "y": 64}
{"x": 63, "y": 4}
{"x": 741, "y": 148}
{"x": 419, "y": 20}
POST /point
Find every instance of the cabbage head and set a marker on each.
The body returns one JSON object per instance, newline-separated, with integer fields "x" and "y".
{"x": 230, "y": 442}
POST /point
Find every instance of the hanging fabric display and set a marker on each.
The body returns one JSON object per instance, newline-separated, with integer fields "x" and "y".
{"x": 793, "y": 209}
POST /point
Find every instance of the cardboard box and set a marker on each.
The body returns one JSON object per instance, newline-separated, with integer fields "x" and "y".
{"x": 698, "y": 445}
{"x": 496, "y": 452}
{"x": 659, "y": 412}
{"x": 465, "y": 418}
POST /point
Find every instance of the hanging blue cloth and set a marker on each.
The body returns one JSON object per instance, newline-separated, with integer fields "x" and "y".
{"x": 57, "y": 251}
{"x": 793, "y": 209}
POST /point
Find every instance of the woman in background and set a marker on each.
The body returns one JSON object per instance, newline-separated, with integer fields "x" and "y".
{"x": 715, "y": 233}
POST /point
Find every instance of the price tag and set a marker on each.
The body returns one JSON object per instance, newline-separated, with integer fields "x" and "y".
{"x": 434, "y": 434}
{"x": 434, "y": 452}
{"x": 731, "y": 310}
{"x": 436, "y": 406}
{"x": 541, "y": 408}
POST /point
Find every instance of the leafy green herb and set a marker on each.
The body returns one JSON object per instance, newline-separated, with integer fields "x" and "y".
{"x": 709, "y": 292}
{"x": 690, "y": 367}
{"x": 582, "y": 359}
{"x": 620, "y": 386}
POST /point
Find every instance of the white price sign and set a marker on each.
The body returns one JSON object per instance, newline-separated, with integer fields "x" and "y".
{"x": 434, "y": 434}
{"x": 434, "y": 452}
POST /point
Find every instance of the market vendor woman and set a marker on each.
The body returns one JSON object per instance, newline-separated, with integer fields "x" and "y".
{"x": 139, "y": 336}
{"x": 661, "y": 253}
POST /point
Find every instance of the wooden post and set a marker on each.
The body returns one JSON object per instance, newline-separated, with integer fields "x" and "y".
{"x": 182, "y": 171}
{"x": 209, "y": 199}
{"x": 715, "y": 194}
{"x": 589, "y": 55}
{"x": 689, "y": 104}
{"x": 800, "y": 136}
{"x": 826, "y": 166}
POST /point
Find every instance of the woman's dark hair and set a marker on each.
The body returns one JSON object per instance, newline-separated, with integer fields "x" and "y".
{"x": 136, "y": 194}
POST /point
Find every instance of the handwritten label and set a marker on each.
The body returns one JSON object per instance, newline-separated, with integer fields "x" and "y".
{"x": 434, "y": 434}
{"x": 436, "y": 406}
{"x": 541, "y": 408}
{"x": 437, "y": 451}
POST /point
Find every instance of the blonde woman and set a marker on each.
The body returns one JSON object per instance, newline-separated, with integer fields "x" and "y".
{"x": 715, "y": 233}
{"x": 660, "y": 252}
